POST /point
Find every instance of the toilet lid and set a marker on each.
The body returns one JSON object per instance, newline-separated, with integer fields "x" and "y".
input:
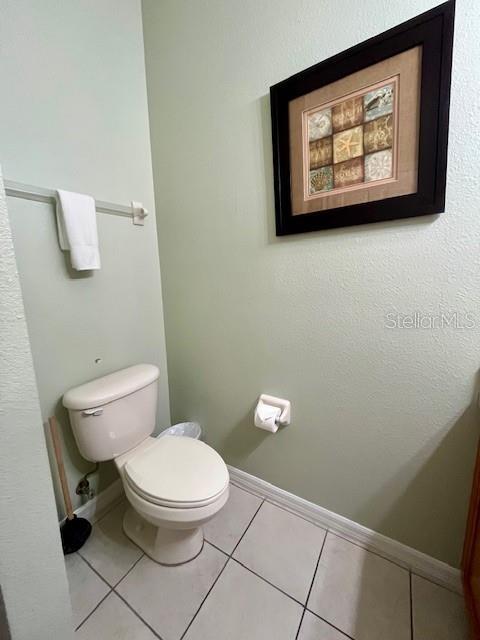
{"x": 178, "y": 471}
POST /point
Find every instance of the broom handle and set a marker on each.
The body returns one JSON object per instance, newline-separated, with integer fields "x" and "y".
{"x": 52, "y": 421}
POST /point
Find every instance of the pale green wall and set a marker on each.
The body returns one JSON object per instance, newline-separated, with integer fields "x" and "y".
{"x": 33, "y": 583}
{"x": 382, "y": 429}
{"x": 73, "y": 114}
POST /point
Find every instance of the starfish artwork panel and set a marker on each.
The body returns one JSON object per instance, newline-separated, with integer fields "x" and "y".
{"x": 344, "y": 136}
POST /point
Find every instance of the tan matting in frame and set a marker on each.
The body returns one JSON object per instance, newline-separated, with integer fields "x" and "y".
{"x": 404, "y": 70}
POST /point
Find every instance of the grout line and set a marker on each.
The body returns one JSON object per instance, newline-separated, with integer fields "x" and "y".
{"x": 248, "y": 527}
{"x": 267, "y": 581}
{"x": 206, "y": 596}
{"x": 104, "y": 579}
{"x": 217, "y": 548}
{"x": 310, "y": 591}
{"x": 300, "y": 624}
{"x": 229, "y": 557}
{"x": 132, "y": 567}
{"x": 95, "y": 571}
{"x": 137, "y": 614}
{"x": 311, "y": 586}
{"x": 311, "y": 583}
{"x": 330, "y": 624}
{"x": 411, "y": 606}
{"x": 93, "y": 610}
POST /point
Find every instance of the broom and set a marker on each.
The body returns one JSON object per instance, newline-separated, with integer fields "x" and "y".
{"x": 74, "y": 531}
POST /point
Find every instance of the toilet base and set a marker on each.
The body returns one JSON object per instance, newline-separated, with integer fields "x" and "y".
{"x": 165, "y": 546}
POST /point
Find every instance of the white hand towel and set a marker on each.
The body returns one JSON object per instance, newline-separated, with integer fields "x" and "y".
{"x": 77, "y": 229}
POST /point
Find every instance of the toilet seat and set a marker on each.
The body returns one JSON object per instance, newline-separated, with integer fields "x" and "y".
{"x": 177, "y": 472}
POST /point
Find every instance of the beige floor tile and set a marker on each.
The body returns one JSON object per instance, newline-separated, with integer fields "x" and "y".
{"x": 241, "y": 606}
{"x": 226, "y": 529}
{"x": 168, "y": 597}
{"x": 86, "y": 588}
{"x": 113, "y": 620}
{"x": 283, "y": 549}
{"x": 438, "y": 614}
{"x": 315, "y": 629}
{"x": 108, "y": 549}
{"x": 363, "y": 595}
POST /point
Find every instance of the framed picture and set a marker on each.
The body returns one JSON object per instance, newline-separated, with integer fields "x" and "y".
{"x": 362, "y": 137}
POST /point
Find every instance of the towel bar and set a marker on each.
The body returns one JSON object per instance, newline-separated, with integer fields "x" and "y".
{"x": 39, "y": 194}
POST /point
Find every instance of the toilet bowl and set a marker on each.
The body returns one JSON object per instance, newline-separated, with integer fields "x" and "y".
{"x": 173, "y": 484}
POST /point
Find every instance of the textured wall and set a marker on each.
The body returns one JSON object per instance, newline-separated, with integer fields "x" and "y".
{"x": 75, "y": 116}
{"x": 383, "y": 430}
{"x": 32, "y": 573}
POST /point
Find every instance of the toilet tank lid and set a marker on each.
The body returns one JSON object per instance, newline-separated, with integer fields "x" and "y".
{"x": 109, "y": 388}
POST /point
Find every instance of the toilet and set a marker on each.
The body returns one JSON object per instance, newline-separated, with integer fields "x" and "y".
{"x": 173, "y": 484}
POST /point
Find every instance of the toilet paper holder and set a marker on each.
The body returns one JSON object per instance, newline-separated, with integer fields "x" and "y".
{"x": 284, "y": 405}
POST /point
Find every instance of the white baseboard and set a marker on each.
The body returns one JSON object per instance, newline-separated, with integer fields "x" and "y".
{"x": 94, "y": 509}
{"x": 416, "y": 561}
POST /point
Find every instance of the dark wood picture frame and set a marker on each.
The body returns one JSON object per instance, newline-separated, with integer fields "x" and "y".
{"x": 432, "y": 30}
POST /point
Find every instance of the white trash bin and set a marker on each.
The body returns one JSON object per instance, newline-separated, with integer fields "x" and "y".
{"x": 185, "y": 429}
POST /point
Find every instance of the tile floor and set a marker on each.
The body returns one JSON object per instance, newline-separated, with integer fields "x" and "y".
{"x": 263, "y": 574}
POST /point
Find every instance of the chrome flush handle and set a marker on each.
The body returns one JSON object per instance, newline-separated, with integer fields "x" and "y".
{"x": 93, "y": 412}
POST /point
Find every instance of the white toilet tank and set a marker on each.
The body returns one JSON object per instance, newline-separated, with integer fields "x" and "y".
{"x": 113, "y": 414}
